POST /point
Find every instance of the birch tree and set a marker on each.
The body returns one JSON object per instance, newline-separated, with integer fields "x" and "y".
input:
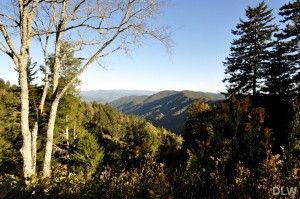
{"x": 18, "y": 19}
{"x": 94, "y": 28}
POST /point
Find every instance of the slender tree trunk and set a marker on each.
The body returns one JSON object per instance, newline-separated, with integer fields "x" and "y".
{"x": 52, "y": 118}
{"x": 33, "y": 146}
{"x": 254, "y": 84}
{"x": 49, "y": 144}
{"x": 36, "y": 124}
{"x": 26, "y": 148}
{"x": 74, "y": 132}
{"x": 67, "y": 134}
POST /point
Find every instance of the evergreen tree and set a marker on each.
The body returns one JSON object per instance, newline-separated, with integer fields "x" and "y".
{"x": 250, "y": 52}
{"x": 290, "y": 37}
{"x": 86, "y": 155}
{"x": 31, "y": 71}
{"x": 278, "y": 80}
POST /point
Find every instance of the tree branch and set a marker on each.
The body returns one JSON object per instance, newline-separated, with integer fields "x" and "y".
{"x": 8, "y": 40}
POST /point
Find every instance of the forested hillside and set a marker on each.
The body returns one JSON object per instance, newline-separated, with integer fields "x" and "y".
{"x": 55, "y": 145}
{"x": 87, "y": 137}
{"x": 167, "y": 109}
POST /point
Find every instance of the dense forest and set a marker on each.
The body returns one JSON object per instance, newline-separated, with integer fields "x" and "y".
{"x": 247, "y": 146}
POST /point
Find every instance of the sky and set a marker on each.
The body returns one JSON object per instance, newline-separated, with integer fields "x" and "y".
{"x": 201, "y": 41}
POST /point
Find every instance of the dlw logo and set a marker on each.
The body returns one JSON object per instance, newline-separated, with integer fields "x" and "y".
{"x": 284, "y": 191}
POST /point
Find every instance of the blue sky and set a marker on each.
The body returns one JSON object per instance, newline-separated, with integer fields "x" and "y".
{"x": 201, "y": 42}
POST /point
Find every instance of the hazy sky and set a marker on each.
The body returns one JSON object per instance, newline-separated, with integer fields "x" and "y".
{"x": 201, "y": 42}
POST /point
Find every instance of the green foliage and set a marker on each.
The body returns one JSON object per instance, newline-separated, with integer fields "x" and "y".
{"x": 85, "y": 155}
{"x": 8, "y": 155}
{"x": 169, "y": 151}
{"x": 70, "y": 65}
{"x": 2, "y": 84}
{"x": 228, "y": 147}
{"x": 127, "y": 140}
{"x": 9, "y": 130}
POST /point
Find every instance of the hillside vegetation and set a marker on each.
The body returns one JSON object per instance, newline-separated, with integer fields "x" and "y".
{"x": 99, "y": 152}
{"x": 167, "y": 109}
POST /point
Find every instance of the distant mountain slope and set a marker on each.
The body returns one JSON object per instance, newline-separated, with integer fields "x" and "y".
{"x": 167, "y": 108}
{"x": 104, "y": 96}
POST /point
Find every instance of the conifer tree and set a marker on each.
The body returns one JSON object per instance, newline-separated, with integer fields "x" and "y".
{"x": 86, "y": 154}
{"x": 278, "y": 80}
{"x": 31, "y": 71}
{"x": 290, "y": 38}
{"x": 250, "y": 51}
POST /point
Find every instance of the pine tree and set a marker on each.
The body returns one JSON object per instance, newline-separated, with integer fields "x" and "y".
{"x": 31, "y": 71}
{"x": 250, "y": 52}
{"x": 278, "y": 80}
{"x": 86, "y": 155}
{"x": 290, "y": 38}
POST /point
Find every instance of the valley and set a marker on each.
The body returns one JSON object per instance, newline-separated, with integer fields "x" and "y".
{"x": 167, "y": 109}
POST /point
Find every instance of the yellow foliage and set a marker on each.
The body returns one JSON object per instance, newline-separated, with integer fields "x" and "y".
{"x": 202, "y": 107}
{"x": 208, "y": 142}
{"x": 268, "y": 133}
{"x": 261, "y": 114}
{"x": 236, "y": 103}
{"x": 249, "y": 116}
{"x": 233, "y": 99}
{"x": 225, "y": 107}
{"x": 246, "y": 103}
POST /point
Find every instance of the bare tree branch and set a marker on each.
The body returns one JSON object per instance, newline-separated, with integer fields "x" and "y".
{"x": 8, "y": 40}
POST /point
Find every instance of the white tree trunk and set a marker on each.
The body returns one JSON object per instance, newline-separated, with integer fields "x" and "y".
{"x": 26, "y": 148}
{"x": 49, "y": 143}
{"x": 36, "y": 123}
{"x": 33, "y": 146}
{"x": 67, "y": 135}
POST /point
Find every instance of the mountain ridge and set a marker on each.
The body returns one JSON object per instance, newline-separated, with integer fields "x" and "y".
{"x": 106, "y": 96}
{"x": 166, "y": 108}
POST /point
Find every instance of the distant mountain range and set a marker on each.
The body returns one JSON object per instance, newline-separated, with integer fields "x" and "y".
{"x": 167, "y": 108}
{"x": 106, "y": 96}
